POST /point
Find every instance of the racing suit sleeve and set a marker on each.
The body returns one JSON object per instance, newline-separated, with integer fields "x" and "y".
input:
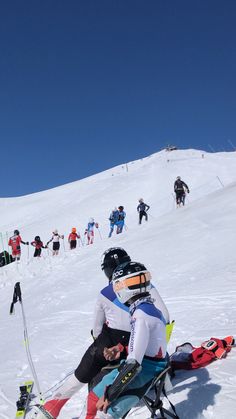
{"x": 99, "y": 317}
{"x": 159, "y": 303}
{"x": 138, "y": 340}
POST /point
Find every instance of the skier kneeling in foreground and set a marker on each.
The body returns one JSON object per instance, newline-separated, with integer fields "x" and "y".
{"x": 111, "y": 327}
{"x": 122, "y": 388}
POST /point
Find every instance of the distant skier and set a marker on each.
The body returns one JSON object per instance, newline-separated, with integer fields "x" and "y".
{"x": 38, "y": 244}
{"x": 55, "y": 242}
{"x": 15, "y": 242}
{"x": 180, "y": 188}
{"x": 72, "y": 239}
{"x": 113, "y": 220}
{"x": 121, "y": 219}
{"x": 89, "y": 232}
{"x": 142, "y": 209}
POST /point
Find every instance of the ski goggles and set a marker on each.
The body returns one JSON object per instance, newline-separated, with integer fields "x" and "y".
{"x": 132, "y": 282}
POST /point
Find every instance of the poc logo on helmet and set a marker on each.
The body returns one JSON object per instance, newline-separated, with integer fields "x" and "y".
{"x": 117, "y": 273}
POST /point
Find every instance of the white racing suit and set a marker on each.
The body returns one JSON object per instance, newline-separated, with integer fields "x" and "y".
{"x": 111, "y": 326}
{"x": 147, "y": 346}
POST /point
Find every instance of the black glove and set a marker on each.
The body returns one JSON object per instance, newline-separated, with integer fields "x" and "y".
{"x": 27, "y": 243}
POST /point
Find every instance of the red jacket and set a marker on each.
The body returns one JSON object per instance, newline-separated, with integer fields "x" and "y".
{"x": 38, "y": 244}
{"x": 188, "y": 357}
{"x": 15, "y": 242}
{"x": 73, "y": 236}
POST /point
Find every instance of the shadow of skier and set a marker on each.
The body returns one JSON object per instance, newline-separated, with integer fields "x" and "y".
{"x": 200, "y": 396}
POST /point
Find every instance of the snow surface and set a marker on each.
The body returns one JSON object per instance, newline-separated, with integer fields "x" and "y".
{"x": 190, "y": 252}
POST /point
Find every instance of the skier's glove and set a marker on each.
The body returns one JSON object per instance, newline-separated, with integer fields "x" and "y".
{"x": 27, "y": 243}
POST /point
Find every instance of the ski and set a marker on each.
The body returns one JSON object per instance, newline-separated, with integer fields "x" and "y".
{"x": 23, "y": 402}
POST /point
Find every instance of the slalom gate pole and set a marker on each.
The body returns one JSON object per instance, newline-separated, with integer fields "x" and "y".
{"x": 28, "y": 253}
{"x": 150, "y": 215}
{"x": 7, "y": 242}
{"x": 17, "y": 296}
{"x": 4, "y": 254}
{"x": 81, "y": 241}
{"x": 50, "y": 249}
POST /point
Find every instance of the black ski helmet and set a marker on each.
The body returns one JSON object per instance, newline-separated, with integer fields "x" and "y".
{"x": 37, "y": 238}
{"x": 16, "y": 232}
{"x": 111, "y": 258}
{"x": 121, "y": 208}
{"x": 129, "y": 280}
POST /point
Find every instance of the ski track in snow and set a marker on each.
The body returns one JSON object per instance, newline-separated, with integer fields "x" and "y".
{"x": 190, "y": 253}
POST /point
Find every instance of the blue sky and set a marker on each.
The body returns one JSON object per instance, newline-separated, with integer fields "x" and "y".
{"x": 86, "y": 85}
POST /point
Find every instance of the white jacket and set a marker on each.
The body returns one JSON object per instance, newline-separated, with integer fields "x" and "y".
{"x": 109, "y": 310}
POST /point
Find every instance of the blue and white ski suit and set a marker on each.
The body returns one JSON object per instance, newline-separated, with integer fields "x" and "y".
{"x": 147, "y": 346}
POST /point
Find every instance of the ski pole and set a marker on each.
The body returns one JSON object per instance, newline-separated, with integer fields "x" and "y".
{"x": 28, "y": 253}
{"x": 99, "y": 233}
{"x": 81, "y": 241}
{"x": 17, "y": 296}
{"x": 63, "y": 242}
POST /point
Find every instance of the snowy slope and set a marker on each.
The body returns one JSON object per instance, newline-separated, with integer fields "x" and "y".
{"x": 190, "y": 252}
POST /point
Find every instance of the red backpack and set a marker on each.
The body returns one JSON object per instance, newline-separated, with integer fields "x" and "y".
{"x": 188, "y": 357}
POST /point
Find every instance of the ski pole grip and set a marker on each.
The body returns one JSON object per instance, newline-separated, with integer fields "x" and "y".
{"x": 16, "y": 296}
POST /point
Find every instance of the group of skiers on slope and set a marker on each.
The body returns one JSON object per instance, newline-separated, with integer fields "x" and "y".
{"x": 15, "y": 241}
{"x": 117, "y": 216}
{"x": 129, "y": 347}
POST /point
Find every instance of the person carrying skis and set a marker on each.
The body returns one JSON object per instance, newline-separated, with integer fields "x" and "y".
{"x": 180, "y": 188}
{"x": 122, "y": 388}
{"x": 121, "y": 219}
{"x": 72, "y": 239}
{"x": 15, "y": 242}
{"x": 89, "y": 232}
{"x": 55, "y": 242}
{"x": 111, "y": 326}
{"x": 142, "y": 209}
{"x": 38, "y": 244}
{"x": 113, "y": 220}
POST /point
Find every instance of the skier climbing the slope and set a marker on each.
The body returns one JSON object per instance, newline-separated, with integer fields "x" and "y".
{"x": 121, "y": 219}
{"x": 38, "y": 244}
{"x": 180, "y": 188}
{"x": 142, "y": 209}
{"x": 55, "y": 239}
{"x": 114, "y": 216}
{"x": 15, "y": 242}
{"x": 89, "y": 232}
{"x": 72, "y": 239}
